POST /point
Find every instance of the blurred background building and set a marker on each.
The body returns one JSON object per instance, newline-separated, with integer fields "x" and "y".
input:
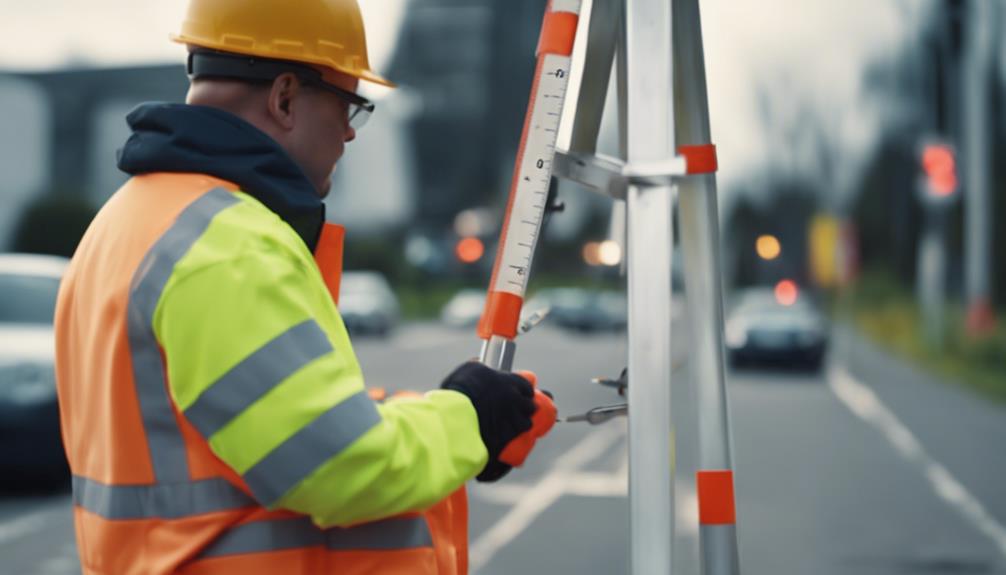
{"x": 861, "y": 188}
{"x": 833, "y": 129}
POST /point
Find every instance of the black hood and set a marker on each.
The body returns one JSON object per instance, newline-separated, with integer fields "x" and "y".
{"x": 204, "y": 140}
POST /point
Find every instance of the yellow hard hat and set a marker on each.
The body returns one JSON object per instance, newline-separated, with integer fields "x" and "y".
{"x": 326, "y": 33}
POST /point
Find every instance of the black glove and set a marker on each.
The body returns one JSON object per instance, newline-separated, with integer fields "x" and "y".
{"x": 504, "y": 403}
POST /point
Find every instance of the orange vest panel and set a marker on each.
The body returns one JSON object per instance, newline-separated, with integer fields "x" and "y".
{"x": 128, "y": 519}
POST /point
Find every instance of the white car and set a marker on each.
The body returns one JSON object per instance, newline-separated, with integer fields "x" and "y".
{"x": 464, "y": 309}
{"x": 763, "y": 327}
{"x": 367, "y": 304}
{"x": 30, "y": 445}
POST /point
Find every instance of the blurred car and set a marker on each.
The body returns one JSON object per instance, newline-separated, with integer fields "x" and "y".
{"x": 581, "y": 309}
{"x": 762, "y": 326}
{"x": 464, "y": 309}
{"x": 30, "y": 443}
{"x": 367, "y": 304}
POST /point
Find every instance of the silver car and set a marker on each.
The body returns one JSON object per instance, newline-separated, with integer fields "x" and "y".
{"x": 762, "y": 327}
{"x": 367, "y": 304}
{"x": 464, "y": 309}
{"x": 30, "y": 445}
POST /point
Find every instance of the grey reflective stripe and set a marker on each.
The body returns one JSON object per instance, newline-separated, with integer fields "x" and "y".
{"x": 281, "y": 534}
{"x": 398, "y": 533}
{"x": 164, "y": 439}
{"x": 262, "y": 536}
{"x": 164, "y": 501}
{"x": 256, "y": 375}
{"x": 317, "y": 442}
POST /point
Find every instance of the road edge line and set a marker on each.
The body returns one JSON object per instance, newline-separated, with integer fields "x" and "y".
{"x": 865, "y": 404}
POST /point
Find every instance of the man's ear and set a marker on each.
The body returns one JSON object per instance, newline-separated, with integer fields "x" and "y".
{"x": 285, "y": 88}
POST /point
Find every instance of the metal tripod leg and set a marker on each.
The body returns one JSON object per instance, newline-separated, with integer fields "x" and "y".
{"x": 647, "y": 120}
{"x": 602, "y": 36}
{"x": 656, "y": 54}
{"x": 700, "y": 246}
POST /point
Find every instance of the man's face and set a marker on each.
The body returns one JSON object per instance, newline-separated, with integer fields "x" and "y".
{"x": 322, "y": 130}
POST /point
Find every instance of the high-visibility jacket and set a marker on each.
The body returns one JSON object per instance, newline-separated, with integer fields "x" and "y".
{"x": 214, "y": 413}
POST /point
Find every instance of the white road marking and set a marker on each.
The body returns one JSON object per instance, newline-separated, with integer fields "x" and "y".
{"x": 598, "y": 485}
{"x": 544, "y": 493}
{"x": 864, "y": 403}
{"x": 63, "y": 563}
{"x": 23, "y": 526}
{"x": 428, "y": 337}
{"x": 687, "y": 508}
{"x": 583, "y": 484}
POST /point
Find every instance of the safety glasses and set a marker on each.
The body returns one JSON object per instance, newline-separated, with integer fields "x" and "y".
{"x": 360, "y": 108}
{"x": 207, "y": 64}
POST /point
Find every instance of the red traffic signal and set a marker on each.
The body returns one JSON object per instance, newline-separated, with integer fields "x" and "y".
{"x": 469, "y": 250}
{"x": 940, "y": 165}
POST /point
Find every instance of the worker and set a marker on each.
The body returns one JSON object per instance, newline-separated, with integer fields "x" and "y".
{"x": 213, "y": 411}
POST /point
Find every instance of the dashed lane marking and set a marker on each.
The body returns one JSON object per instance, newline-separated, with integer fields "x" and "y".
{"x": 23, "y": 526}
{"x": 867, "y": 406}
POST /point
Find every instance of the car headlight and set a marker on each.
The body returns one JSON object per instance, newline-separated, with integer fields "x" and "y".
{"x": 27, "y": 384}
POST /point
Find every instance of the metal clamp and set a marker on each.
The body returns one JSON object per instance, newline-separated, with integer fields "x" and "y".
{"x": 612, "y": 177}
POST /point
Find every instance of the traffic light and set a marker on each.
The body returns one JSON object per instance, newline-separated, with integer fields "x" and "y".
{"x": 940, "y": 167}
{"x": 469, "y": 250}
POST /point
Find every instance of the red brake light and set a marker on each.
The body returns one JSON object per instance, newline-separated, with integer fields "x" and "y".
{"x": 786, "y": 292}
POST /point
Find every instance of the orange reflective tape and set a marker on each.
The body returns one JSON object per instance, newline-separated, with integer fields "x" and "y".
{"x": 558, "y": 32}
{"x": 328, "y": 255}
{"x": 700, "y": 159}
{"x": 501, "y": 315}
{"x": 716, "y": 497}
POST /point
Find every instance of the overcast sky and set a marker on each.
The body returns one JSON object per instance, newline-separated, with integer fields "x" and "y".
{"x": 761, "y": 54}
{"x": 115, "y": 32}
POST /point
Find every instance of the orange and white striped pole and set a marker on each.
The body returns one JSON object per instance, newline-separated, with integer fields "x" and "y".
{"x": 529, "y": 188}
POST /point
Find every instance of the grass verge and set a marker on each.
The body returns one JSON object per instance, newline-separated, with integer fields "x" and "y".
{"x": 888, "y": 314}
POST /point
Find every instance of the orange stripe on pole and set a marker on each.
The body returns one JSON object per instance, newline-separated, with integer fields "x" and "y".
{"x": 716, "y": 497}
{"x": 501, "y": 315}
{"x": 558, "y": 32}
{"x": 700, "y": 159}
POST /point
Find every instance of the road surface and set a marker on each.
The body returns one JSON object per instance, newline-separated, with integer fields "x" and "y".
{"x": 869, "y": 467}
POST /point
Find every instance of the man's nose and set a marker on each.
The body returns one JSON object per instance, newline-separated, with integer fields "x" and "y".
{"x": 350, "y": 134}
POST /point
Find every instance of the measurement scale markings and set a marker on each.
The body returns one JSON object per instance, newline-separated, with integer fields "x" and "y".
{"x": 529, "y": 206}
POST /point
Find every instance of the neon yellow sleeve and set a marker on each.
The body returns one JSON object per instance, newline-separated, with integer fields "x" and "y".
{"x": 260, "y": 363}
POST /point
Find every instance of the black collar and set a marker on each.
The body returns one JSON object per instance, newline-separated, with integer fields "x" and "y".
{"x": 204, "y": 140}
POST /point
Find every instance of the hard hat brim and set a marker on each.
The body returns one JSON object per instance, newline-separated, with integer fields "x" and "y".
{"x": 362, "y": 74}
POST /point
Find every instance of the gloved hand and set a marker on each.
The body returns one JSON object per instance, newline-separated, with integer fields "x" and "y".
{"x": 504, "y": 403}
{"x": 541, "y": 423}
